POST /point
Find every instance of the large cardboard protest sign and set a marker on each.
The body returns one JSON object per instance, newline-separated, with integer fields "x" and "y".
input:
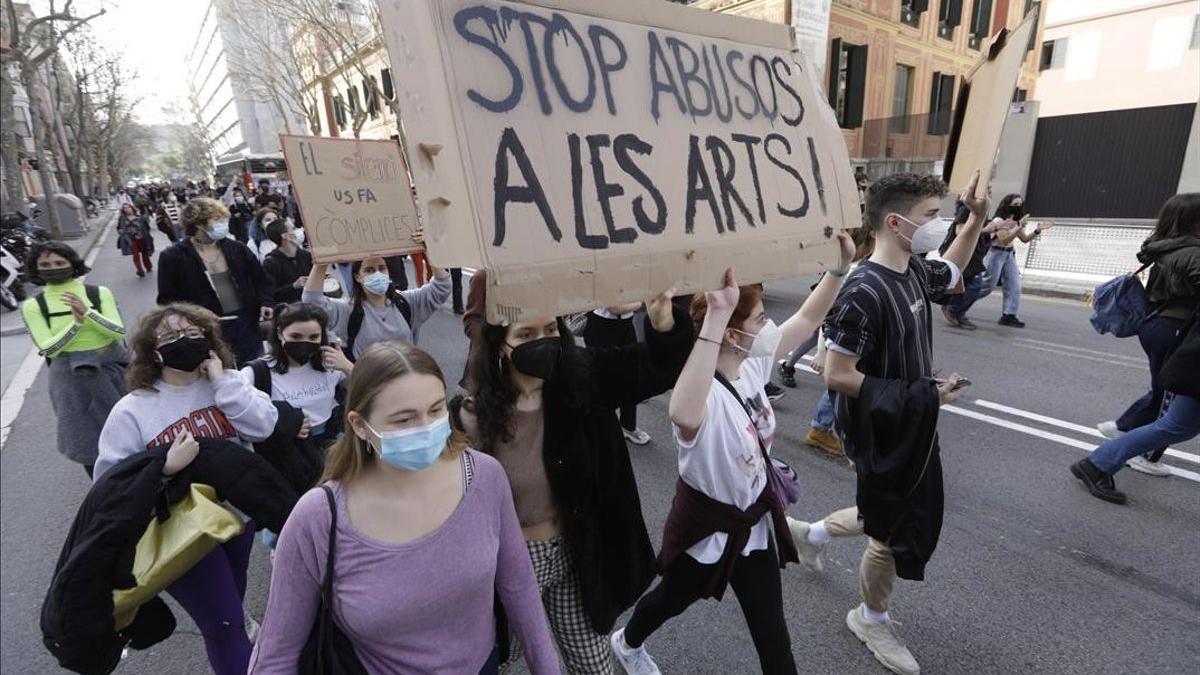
{"x": 354, "y": 196}
{"x": 590, "y": 153}
{"x": 982, "y": 106}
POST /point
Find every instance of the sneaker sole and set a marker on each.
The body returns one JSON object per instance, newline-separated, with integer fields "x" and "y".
{"x": 874, "y": 652}
{"x": 1161, "y": 473}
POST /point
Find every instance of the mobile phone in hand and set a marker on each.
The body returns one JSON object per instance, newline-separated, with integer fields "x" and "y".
{"x": 960, "y": 383}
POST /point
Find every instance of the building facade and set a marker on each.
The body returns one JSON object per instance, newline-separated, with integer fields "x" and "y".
{"x": 1119, "y": 127}
{"x": 236, "y": 118}
{"x": 894, "y": 67}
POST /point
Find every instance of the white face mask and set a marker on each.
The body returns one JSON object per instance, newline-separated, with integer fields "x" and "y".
{"x": 765, "y": 342}
{"x": 298, "y": 237}
{"x": 927, "y": 237}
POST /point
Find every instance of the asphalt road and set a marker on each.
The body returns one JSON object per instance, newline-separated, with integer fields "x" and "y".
{"x": 1032, "y": 575}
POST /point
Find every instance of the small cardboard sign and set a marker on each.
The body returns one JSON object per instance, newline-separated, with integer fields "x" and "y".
{"x": 982, "y": 106}
{"x": 596, "y": 153}
{"x": 354, "y": 196}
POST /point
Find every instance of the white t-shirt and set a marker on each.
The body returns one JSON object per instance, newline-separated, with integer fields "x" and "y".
{"x": 305, "y": 388}
{"x": 724, "y": 461}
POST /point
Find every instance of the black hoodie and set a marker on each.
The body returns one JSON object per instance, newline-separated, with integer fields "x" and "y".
{"x": 1174, "y": 286}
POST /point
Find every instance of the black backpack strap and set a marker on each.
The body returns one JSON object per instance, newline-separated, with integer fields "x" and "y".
{"x": 327, "y": 582}
{"x": 93, "y": 296}
{"x": 353, "y": 325}
{"x": 262, "y": 375}
{"x": 401, "y": 304}
{"x": 44, "y": 307}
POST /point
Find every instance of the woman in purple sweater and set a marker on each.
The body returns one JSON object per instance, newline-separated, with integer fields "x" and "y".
{"x": 427, "y": 538}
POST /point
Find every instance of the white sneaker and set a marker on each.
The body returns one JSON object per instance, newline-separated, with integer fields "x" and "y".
{"x": 810, "y": 553}
{"x": 637, "y": 436}
{"x": 884, "y": 642}
{"x": 1109, "y": 430}
{"x": 252, "y": 628}
{"x": 1145, "y": 466}
{"x": 634, "y": 661}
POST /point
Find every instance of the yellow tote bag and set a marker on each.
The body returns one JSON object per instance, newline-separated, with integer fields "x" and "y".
{"x": 168, "y": 549}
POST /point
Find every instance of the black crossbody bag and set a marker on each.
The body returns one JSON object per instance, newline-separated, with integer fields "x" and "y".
{"x": 781, "y": 478}
{"x": 328, "y": 651}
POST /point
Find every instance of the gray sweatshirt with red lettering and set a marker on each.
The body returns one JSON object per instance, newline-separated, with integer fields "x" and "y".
{"x": 231, "y": 410}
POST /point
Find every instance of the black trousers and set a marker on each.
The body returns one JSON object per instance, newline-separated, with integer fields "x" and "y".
{"x": 756, "y": 584}
{"x": 601, "y": 332}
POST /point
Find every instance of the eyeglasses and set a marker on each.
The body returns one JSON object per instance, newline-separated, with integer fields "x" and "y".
{"x": 164, "y": 339}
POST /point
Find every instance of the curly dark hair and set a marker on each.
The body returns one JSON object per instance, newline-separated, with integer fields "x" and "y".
{"x": 494, "y": 395}
{"x": 57, "y": 248}
{"x": 145, "y": 367}
{"x": 898, "y": 193}
{"x": 1006, "y": 210}
{"x": 286, "y": 315}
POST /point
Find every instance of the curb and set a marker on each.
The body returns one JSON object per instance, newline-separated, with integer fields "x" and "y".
{"x": 1079, "y": 295}
{"x": 20, "y": 329}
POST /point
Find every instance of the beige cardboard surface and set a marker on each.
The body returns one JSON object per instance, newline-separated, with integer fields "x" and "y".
{"x": 591, "y": 153}
{"x": 353, "y": 194}
{"x": 978, "y": 128}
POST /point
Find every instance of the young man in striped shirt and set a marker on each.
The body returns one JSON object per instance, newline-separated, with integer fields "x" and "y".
{"x": 880, "y": 364}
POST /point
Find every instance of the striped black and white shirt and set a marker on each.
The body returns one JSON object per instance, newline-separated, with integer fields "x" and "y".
{"x": 884, "y": 317}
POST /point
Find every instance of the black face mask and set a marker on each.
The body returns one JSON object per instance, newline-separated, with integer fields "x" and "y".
{"x": 57, "y": 275}
{"x": 302, "y": 352}
{"x": 186, "y": 353}
{"x": 537, "y": 358}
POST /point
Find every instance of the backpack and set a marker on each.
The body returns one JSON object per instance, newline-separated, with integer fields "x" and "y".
{"x": 354, "y": 324}
{"x": 93, "y": 296}
{"x": 262, "y": 382}
{"x": 1119, "y": 305}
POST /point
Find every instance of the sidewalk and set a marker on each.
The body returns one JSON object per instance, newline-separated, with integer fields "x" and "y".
{"x": 1069, "y": 285}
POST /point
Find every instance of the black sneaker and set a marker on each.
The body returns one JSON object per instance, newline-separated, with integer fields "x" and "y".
{"x": 774, "y": 391}
{"x": 787, "y": 374}
{"x": 141, "y": 273}
{"x": 1097, "y": 482}
{"x": 1011, "y": 320}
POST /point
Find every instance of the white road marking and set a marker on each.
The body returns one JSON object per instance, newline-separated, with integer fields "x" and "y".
{"x": 1049, "y": 436}
{"x": 1091, "y": 431}
{"x": 14, "y": 395}
{"x": 1072, "y": 348}
{"x": 1106, "y": 360}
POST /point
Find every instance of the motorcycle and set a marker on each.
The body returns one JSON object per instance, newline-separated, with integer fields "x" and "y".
{"x": 92, "y": 207}
{"x": 12, "y": 289}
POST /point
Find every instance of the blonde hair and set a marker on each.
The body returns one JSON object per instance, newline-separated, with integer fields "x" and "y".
{"x": 379, "y": 366}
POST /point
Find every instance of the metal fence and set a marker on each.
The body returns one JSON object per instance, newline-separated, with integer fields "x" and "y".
{"x": 1087, "y": 248}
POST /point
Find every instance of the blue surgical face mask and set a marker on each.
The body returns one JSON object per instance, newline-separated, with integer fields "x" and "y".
{"x": 412, "y": 449}
{"x": 377, "y": 282}
{"x": 218, "y": 230}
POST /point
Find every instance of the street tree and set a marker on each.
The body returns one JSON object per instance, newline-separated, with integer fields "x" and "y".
{"x": 30, "y": 46}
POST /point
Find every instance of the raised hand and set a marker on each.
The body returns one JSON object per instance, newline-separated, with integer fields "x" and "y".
{"x": 212, "y": 368}
{"x": 977, "y": 204}
{"x": 335, "y": 358}
{"x": 660, "y": 313}
{"x": 78, "y": 308}
{"x": 724, "y": 299}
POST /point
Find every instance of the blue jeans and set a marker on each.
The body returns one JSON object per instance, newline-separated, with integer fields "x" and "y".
{"x": 1180, "y": 423}
{"x": 978, "y": 286}
{"x": 823, "y": 417}
{"x": 1002, "y": 267}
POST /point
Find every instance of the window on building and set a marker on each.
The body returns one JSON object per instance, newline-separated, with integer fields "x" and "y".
{"x": 848, "y": 82}
{"x": 352, "y": 94}
{"x": 1020, "y": 94}
{"x": 339, "y": 111}
{"x": 1054, "y": 54}
{"x": 949, "y": 16}
{"x": 371, "y": 95}
{"x": 981, "y": 23}
{"x": 389, "y": 91}
{"x": 901, "y": 95}
{"x": 941, "y": 99}
{"x": 911, "y": 11}
{"x": 1195, "y": 43}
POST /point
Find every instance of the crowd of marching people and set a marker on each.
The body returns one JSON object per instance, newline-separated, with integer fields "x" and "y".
{"x": 419, "y": 523}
